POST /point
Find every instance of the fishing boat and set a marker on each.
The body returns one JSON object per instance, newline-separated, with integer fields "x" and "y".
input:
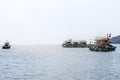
{"x": 74, "y": 44}
{"x": 102, "y": 44}
{"x": 6, "y": 45}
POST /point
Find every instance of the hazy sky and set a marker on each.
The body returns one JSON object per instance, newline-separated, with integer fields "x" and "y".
{"x": 53, "y": 21}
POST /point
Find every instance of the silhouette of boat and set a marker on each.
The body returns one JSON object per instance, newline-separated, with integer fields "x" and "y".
{"x": 74, "y": 44}
{"x": 102, "y": 44}
{"x": 6, "y": 45}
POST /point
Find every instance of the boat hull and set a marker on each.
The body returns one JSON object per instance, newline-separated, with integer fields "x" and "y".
{"x": 71, "y": 46}
{"x": 6, "y": 47}
{"x": 100, "y": 49}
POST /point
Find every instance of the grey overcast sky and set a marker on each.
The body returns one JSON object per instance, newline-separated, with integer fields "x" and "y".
{"x": 53, "y": 21}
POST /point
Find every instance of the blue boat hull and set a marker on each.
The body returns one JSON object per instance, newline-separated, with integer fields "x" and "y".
{"x": 96, "y": 48}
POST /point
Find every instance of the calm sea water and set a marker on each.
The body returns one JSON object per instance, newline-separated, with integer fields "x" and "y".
{"x": 56, "y": 63}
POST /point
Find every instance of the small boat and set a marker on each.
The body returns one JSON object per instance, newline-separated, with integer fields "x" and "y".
{"x": 6, "y": 45}
{"x": 74, "y": 44}
{"x": 102, "y": 44}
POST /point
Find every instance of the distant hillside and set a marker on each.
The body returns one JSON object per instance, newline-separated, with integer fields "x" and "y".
{"x": 115, "y": 40}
